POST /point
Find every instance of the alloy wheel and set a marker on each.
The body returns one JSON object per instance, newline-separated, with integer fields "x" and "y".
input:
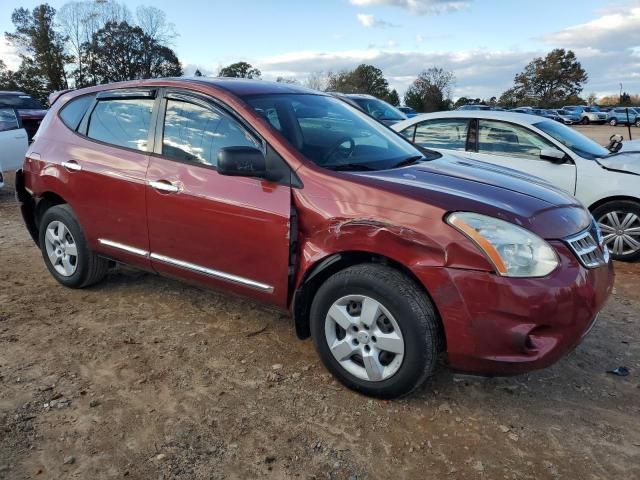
{"x": 61, "y": 247}
{"x": 621, "y": 232}
{"x": 364, "y": 338}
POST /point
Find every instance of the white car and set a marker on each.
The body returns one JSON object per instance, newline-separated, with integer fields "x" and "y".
{"x": 607, "y": 183}
{"x": 13, "y": 142}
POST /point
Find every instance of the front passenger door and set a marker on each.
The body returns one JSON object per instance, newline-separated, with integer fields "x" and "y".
{"x": 515, "y": 146}
{"x": 225, "y": 232}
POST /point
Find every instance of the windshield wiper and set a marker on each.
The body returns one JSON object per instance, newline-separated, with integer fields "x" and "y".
{"x": 350, "y": 167}
{"x": 408, "y": 161}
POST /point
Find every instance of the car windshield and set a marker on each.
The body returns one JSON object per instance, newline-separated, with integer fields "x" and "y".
{"x": 20, "y": 102}
{"x": 591, "y": 109}
{"x": 575, "y": 141}
{"x": 379, "y": 109}
{"x": 335, "y": 135}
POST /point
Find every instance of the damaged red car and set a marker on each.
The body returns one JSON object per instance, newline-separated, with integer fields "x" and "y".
{"x": 387, "y": 255}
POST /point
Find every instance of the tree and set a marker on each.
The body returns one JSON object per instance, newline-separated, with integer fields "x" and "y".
{"x": 197, "y": 73}
{"x": 121, "y": 52}
{"x": 42, "y": 50}
{"x": 290, "y": 80}
{"x": 8, "y": 79}
{"x": 317, "y": 81}
{"x": 431, "y": 91}
{"x": 393, "y": 98}
{"x": 240, "y": 70}
{"x": 363, "y": 79}
{"x": 551, "y": 80}
{"x": 625, "y": 99}
{"x": 153, "y": 22}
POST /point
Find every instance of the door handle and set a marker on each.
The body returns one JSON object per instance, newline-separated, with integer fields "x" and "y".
{"x": 72, "y": 165}
{"x": 164, "y": 186}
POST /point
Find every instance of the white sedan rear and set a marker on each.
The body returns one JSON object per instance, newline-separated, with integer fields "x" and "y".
{"x": 607, "y": 183}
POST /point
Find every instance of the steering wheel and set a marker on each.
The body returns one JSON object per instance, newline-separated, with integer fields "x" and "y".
{"x": 336, "y": 148}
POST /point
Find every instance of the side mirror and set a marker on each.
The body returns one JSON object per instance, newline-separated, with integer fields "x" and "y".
{"x": 553, "y": 155}
{"x": 242, "y": 162}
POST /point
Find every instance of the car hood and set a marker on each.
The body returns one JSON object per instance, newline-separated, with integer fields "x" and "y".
{"x": 627, "y": 160}
{"x": 460, "y": 184}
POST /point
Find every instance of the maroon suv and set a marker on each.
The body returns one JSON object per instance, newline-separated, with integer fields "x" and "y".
{"x": 385, "y": 254}
{"x": 30, "y": 110}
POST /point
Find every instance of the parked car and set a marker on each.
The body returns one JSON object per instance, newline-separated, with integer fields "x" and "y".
{"x": 588, "y": 115}
{"x": 551, "y": 114}
{"x": 474, "y": 107}
{"x": 619, "y": 115}
{"x": 408, "y": 111}
{"x": 13, "y": 142}
{"x": 386, "y": 254}
{"x": 527, "y": 110}
{"x": 569, "y": 117}
{"x": 30, "y": 110}
{"x": 607, "y": 183}
{"x": 378, "y": 109}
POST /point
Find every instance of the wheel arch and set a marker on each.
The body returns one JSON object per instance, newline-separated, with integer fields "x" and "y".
{"x": 322, "y": 269}
{"x": 613, "y": 198}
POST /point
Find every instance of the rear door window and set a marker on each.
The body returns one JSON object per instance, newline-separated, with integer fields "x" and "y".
{"x": 123, "y": 122}
{"x": 71, "y": 114}
{"x": 443, "y": 133}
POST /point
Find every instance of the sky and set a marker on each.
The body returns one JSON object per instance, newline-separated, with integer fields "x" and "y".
{"x": 484, "y": 42}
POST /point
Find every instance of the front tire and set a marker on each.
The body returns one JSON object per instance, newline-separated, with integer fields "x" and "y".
{"x": 65, "y": 249}
{"x": 375, "y": 330}
{"x": 619, "y": 221}
{"x": 613, "y": 122}
{"x": 585, "y": 121}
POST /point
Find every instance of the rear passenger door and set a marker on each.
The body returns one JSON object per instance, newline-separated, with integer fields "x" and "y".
{"x": 225, "y": 232}
{"x": 106, "y": 170}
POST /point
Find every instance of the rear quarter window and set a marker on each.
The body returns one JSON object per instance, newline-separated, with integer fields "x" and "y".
{"x": 73, "y": 112}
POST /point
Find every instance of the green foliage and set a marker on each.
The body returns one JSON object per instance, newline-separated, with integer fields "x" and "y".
{"x": 549, "y": 82}
{"x": 431, "y": 91}
{"x": 363, "y": 79}
{"x": 42, "y": 51}
{"x": 240, "y": 70}
{"x": 120, "y": 51}
{"x": 393, "y": 98}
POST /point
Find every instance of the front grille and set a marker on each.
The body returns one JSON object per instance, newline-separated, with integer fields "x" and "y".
{"x": 589, "y": 247}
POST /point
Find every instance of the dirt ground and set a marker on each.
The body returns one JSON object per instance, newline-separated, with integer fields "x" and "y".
{"x": 142, "y": 377}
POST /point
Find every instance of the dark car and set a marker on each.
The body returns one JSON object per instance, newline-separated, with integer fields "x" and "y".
{"x": 386, "y": 254}
{"x": 379, "y": 109}
{"x": 408, "y": 111}
{"x": 31, "y": 111}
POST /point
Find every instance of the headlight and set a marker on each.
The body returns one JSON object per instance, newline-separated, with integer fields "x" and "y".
{"x": 514, "y": 251}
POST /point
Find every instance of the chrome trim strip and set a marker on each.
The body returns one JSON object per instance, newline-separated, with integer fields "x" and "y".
{"x": 121, "y": 246}
{"x": 213, "y": 273}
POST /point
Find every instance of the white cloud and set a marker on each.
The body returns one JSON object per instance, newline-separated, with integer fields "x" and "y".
{"x": 9, "y": 54}
{"x": 418, "y": 7}
{"x": 478, "y": 73}
{"x": 613, "y": 31}
{"x": 368, "y": 21}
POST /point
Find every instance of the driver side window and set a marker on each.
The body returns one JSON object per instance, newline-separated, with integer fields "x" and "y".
{"x": 507, "y": 139}
{"x": 8, "y": 119}
{"x": 195, "y": 133}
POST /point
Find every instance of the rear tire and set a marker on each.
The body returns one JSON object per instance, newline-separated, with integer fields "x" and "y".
{"x": 585, "y": 121}
{"x": 65, "y": 250}
{"x": 396, "y": 352}
{"x": 619, "y": 221}
{"x": 637, "y": 124}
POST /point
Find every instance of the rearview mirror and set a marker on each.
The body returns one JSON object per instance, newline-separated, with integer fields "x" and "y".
{"x": 242, "y": 162}
{"x": 553, "y": 155}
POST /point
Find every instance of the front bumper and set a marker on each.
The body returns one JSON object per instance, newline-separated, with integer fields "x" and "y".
{"x": 502, "y": 326}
